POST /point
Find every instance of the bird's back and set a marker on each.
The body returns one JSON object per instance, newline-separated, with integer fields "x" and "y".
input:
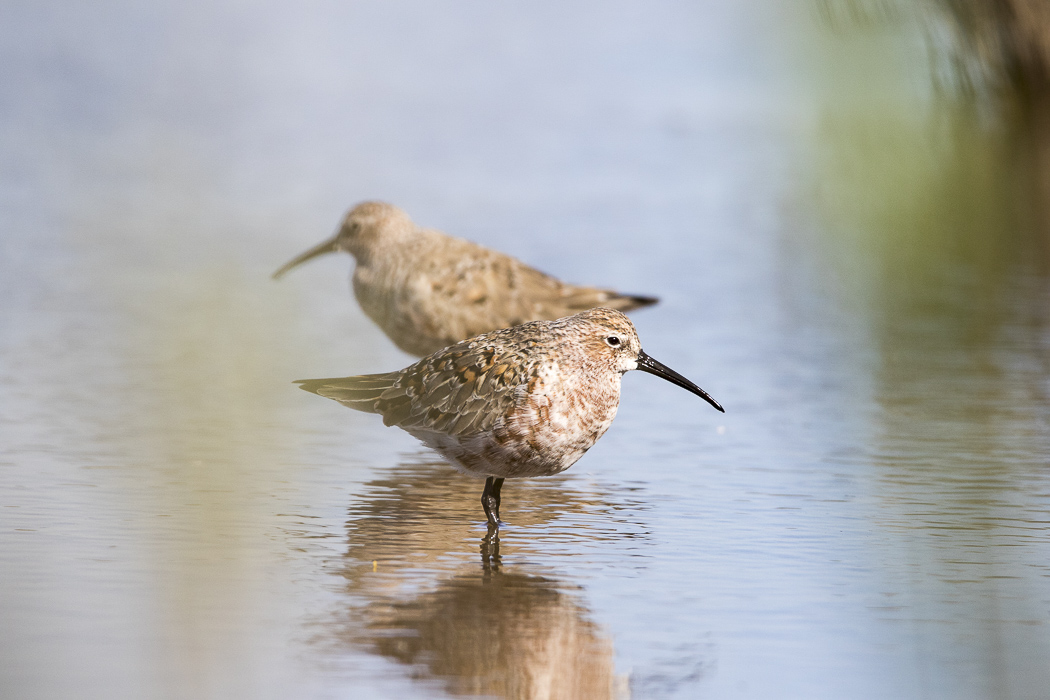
{"x": 435, "y": 290}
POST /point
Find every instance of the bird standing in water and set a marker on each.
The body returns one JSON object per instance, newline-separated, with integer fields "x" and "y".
{"x": 428, "y": 290}
{"x": 524, "y": 401}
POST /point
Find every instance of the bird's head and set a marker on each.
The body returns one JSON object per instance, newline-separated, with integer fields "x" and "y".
{"x": 610, "y": 339}
{"x": 364, "y": 227}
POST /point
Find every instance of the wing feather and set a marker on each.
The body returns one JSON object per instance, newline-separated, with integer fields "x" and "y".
{"x": 461, "y": 390}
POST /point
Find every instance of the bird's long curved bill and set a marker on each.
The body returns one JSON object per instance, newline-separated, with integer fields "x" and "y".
{"x": 648, "y": 364}
{"x": 329, "y": 246}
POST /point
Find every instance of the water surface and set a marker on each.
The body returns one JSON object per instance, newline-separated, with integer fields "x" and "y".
{"x": 857, "y": 271}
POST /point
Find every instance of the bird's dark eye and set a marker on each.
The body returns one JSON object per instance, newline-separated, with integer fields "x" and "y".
{"x": 613, "y": 341}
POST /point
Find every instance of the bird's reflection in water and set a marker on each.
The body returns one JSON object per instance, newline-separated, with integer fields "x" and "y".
{"x": 417, "y": 513}
{"x": 495, "y": 626}
{"x": 499, "y": 633}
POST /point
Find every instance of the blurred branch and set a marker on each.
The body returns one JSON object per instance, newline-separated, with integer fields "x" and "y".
{"x": 1010, "y": 39}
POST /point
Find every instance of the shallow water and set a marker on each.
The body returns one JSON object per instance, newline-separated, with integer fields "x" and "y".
{"x": 866, "y": 292}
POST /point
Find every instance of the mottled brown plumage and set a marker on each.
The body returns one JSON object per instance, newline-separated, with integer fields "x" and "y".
{"x": 523, "y": 401}
{"x": 428, "y": 290}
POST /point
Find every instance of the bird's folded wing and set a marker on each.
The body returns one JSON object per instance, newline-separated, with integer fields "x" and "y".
{"x": 460, "y": 391}
{"x": 551, "y": 298}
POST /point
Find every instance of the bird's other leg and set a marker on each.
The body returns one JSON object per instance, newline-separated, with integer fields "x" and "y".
{"x": 490, "y": 499}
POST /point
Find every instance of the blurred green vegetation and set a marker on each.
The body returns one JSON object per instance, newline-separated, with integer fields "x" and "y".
{"x": 922, "y": 184}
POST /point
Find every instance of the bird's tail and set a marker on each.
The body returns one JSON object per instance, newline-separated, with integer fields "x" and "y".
{"x": 629, "y": 302}
{"x": 360, "y": 392}
{"x": 582, "y": 298}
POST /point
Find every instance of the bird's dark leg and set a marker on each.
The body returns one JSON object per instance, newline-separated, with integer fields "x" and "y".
{"x": 490, "y": 561}
{"x": 497, "y": 485}
{"x": 490, "y": 499}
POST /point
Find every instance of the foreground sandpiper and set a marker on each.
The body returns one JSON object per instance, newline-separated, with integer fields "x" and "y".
{"x": 428, "y": 290}
{"x": 523, "y": 401}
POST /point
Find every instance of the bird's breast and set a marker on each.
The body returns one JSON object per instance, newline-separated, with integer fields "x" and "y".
{"x": 388, "y": 294}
